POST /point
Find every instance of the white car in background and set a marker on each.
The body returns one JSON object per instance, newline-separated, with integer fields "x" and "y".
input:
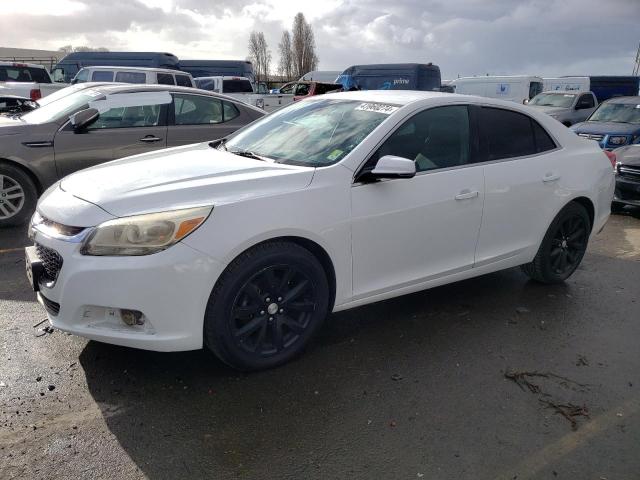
{"x": 245, "y": 244}
{"x": 147, "y": 75}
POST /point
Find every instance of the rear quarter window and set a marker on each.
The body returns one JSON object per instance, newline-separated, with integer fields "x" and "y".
{"x": 183, "y": 81}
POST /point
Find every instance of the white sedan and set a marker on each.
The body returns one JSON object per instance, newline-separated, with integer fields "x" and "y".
{"x": 245, "y": 244}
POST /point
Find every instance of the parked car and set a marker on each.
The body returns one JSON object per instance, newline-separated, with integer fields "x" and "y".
{"x": 516, "y": 88}
{"x": 627, "y": 177}
{"x": 302, "y": 90}
{"x": 26, "y": 80}
{"x": 603, "y": 87}
{"x": 68, "y": 67}
{"x": 391, "y": 76}
{"x": 15, "y": 105}
{"x": 245, "y": 244}
{"x": 566, "y": 107}
{"x": 241, "y": 88}
{"x": 99, "y": 124}
{"x": 160, "y": 76}
{"x": 614, "y": 124}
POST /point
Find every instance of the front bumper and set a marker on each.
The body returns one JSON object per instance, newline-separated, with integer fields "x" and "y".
{"x": 627, "y": 191}
{"x": 171, "y": 289}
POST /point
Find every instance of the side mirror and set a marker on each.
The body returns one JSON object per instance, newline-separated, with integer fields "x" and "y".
{"x": 391, "y": 166}
{"x": 83, "y": 118}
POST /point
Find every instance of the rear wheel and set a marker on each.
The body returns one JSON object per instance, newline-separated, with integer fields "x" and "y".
{"x": 563, "y": 246}
{"x": 18, "y": 196}
{"x": 267, "y": 306}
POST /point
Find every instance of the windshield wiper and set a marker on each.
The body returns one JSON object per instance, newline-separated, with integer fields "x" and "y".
{"x": 248, "y": 154}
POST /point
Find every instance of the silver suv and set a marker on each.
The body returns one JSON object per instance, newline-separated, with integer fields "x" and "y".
{"x": 568, "y": 108}
{"x": 102, "y": 123}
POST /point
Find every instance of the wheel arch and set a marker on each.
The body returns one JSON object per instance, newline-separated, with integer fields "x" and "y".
{"x": 27, "y": 171}
{"x": 316, "y": 250}
{"x": 588, "y": 205}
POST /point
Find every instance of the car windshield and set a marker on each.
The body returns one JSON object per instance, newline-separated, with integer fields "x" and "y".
{"x": 311, "y": 133}
{"x": 564, "y": 100}
{"x": 617, "y": 112}
{"x": 63, "y": 107}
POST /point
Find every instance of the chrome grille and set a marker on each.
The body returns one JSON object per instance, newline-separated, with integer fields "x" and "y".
{"x": 629, "y": 171}
{"x": 592, "y": 136}
{"x": 51, "y": 262}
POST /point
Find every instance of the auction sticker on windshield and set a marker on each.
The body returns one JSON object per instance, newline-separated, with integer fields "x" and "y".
{"x": 377, "y": 107}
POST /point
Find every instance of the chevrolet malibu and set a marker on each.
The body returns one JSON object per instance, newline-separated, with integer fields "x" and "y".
{"x": 245, "y": 244}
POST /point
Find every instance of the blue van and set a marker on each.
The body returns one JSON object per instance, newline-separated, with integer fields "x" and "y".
{"x": 66, "y": 69}
{"x": 218, "y": 68}
{"x": 391, "y": 76}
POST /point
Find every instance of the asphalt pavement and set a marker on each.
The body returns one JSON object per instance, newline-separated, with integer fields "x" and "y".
{"x": 491, "y": 378}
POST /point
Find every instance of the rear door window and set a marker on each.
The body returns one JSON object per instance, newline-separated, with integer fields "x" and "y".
{"x": 165, "y": 79}
{"x": 126, "y": 117}
{"x": 102, "y": 76}
{"x": 131, "y": 77}
{"x": 197, "y": 110}
{"x": 509, "y": 134}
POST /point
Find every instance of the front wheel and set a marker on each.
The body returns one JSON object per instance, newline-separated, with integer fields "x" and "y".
{"x": 267, "y": 306}
{"x": 18, "y": 196}
{"x": 563, "y": 246}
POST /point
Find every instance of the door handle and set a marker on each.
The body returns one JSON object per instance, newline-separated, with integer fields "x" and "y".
{"x": 551, "y": 177}
{"x": 150, "y": 138}
{"x": 466, "y": 194}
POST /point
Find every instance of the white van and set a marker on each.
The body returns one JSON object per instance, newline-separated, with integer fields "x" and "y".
{"x": 566, "y": 84}
{"x": 517, "y": 88}
{"x": 160, "y": 76}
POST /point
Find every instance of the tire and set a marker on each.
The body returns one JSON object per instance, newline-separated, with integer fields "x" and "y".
{"x": 617, "y": 207}
{"x": 267, "y": 306}
{"x": 18, "y": 196}
{"x": 563, "y": 246}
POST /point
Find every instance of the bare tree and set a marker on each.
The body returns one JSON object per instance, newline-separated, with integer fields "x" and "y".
{"x": 285, "y": 65}
{"x": 70, "y": 48}
{"x": 303, "y": 47}
{"x": 259, "y": 55}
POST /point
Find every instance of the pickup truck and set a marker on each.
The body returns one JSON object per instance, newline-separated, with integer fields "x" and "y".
{"x": 241, "y": 89}
{"x": 27, "y": 80}
{"x": 569, "y": 107}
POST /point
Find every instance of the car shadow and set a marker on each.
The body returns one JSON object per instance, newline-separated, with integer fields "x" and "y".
{"x": 182, "y": 415}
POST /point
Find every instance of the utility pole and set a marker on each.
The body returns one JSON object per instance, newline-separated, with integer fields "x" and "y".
{"x": 636, "y": 67}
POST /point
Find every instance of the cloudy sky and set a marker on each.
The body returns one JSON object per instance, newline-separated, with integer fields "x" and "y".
{"x": 464, "y": 37}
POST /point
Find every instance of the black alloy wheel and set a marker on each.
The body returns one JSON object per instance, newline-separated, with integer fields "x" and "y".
{"x": 267, "y": 306}
{"x": 273, "y": 309}
{"x": 563, "y": 246}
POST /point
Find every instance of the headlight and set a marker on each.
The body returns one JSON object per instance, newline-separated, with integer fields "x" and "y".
{"x": 617, "y": 140}
{"x": 144, "y": 234}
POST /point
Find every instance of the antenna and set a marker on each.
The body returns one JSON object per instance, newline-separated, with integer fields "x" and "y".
{"x": 636, "y": 67}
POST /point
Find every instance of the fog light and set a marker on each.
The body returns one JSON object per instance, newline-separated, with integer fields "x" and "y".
{"x": 131, "y": 317}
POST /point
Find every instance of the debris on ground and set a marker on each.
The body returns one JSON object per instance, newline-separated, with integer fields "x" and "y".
{"x": 43, "y": 331}
{"x": 396, "y": 377}
{"x": 522, "y": 310}
{"x": 582, "y": 361}
{"x": 2, "y": 384}
{"x": 40, "y": 323}
{"x": 51, "y": 388}
{"x": 567, "y": 410}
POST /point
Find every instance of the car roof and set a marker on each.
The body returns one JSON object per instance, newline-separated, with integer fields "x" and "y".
{"x": 397, "y": 97}
{"x": 152, "y": 87}
{"x": 21, "y": 64}
{"x": 625, "y": 100}
{"x": 137, "y": 69}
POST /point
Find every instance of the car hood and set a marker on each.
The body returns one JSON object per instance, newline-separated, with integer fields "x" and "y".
{"x": 181, "y": 177}
{"x": 629, "y": 155}
{"x": 606, "y": 128}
